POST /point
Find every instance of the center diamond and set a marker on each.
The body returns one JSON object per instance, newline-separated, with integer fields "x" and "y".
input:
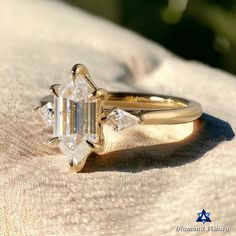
{"x": 76, "y": 119}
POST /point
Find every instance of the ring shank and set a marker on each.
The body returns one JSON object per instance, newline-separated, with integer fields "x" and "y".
{"x": 155, "y": 109}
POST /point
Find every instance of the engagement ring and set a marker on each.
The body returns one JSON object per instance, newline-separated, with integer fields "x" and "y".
{"x": 78, "y": 110}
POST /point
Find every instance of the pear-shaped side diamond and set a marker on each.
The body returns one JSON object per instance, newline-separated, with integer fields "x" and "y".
{"x": 47, "y": 114}
{"x": 120, "y": 119}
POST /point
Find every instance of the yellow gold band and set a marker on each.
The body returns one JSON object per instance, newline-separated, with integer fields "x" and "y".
{"x": 155, "y": 109}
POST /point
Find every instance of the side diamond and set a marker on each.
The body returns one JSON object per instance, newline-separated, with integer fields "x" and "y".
{"x": 120, "y": 119}
{"x": 46, "y": 113}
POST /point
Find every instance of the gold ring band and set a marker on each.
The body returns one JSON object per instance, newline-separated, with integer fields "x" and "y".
{"x": 155, "y": 109}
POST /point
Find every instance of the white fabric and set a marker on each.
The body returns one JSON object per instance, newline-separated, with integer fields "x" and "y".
{"x": 151, "y": 179}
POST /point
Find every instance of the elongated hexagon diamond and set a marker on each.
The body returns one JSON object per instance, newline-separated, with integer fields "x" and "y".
{"x": 76, "y": 118}
{"x": 120, "y": 119}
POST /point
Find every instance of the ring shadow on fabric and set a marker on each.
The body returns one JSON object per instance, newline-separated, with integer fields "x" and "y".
{"x": 207, "y": 133}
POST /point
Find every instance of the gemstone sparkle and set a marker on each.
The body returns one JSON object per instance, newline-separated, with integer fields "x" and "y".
{"x": 120, "y": 119}
{"x": 46, "y": 113}
{"x": 76, "y": 119}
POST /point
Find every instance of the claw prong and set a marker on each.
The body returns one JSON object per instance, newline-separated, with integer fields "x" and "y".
{"x": 54, "y": 89}
{"x": 80, "y": 69}
{"x": 36, "y": 109}
{"x": 54, "y": 140}
{"x": 90, "y": 144}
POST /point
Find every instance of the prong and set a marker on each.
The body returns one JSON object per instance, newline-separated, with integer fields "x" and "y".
{"x": 80, "y": 69}
{"x": 91, "y": 145}
{"x": 37, "y": 109}
{"x": 79, "y": 167}
{"x": 96, "y": 147}
{"x": 54, "y": 89}
{"x": 103, "y": 119}
{"x": 100, "y": 92}
{"x": 93, "y": 96}
{"x": 94, "y": 93}
{"x": 53, "y": 141}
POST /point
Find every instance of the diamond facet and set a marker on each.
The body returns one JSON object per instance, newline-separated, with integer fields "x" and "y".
{"x": 76, "y": 119}
{"x": 77, "y": 154}
{"x": 120, "y": 119}
{"x": 77, "y": 90}
{"x": 47, "y": 114}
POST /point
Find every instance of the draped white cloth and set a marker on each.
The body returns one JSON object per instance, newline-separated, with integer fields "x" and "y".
{"x": 151, "y": 179}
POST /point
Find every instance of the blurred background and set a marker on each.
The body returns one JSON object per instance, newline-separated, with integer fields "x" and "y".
{"x": 203, "y": 30}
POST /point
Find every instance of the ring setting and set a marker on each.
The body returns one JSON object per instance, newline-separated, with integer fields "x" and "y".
{"x": 79, "y": 110}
